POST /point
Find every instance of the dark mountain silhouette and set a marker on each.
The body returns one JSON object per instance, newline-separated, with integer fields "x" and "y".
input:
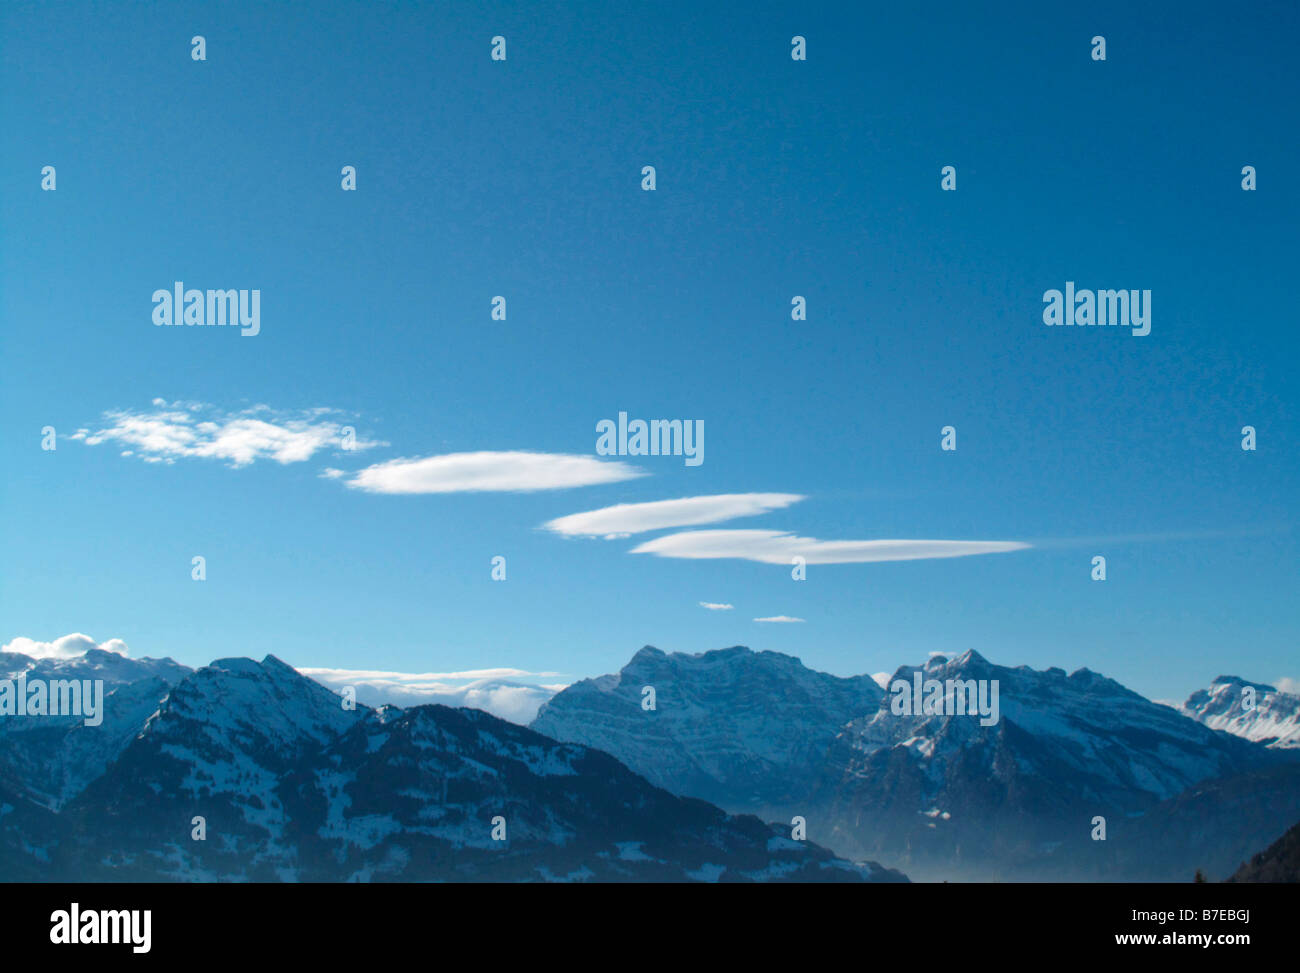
{"x": 1279, "y": 862}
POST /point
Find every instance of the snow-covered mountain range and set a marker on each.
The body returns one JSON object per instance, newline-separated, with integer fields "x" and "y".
{"x": 943, "y": 795}
{"x": 1019, "y": 799}
{"x": 249, "y": 771}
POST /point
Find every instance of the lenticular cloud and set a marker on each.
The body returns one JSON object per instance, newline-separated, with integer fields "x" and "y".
{"x": 518, "y": 472}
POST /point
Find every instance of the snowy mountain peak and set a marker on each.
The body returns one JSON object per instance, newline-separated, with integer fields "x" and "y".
{"x": 1238, "y": 681}
{"x": 1252, "y": 710}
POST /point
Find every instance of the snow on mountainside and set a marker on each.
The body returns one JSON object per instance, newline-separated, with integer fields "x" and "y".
{"x": 417, "y": 794}
{"x": 742, "y": 729}
{"x": 1273, "y": 720}
{"x": 293, "y": 787}
{"x": 1017, "y": 798}
{"x": 52, "y": 759}
{"x": 49, "y": 759}
{"x": 217, "y": 748}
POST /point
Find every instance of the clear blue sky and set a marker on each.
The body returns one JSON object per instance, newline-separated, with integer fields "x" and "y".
{"x": 775, "y": 178}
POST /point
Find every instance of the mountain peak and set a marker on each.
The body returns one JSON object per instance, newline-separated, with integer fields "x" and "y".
{"x": 273, "y": 663}
{"x": 236, "y": 664}
{"x": 1238, "y": 681}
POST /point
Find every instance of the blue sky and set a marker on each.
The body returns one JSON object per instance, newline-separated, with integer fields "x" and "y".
{"x": 775, "y": 178}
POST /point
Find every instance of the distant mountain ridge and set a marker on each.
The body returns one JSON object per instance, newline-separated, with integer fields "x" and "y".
{"x": 1273, "y": 719}
{"x": 746, "y": 730}
{"x": 112, "y": 667}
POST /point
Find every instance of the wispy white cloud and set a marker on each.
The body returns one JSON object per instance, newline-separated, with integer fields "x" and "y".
{"x": 1287, "y": 685}
{"x": 168, "y": 431}
{"x": 715, "y": 606}
{"x": 492, "y": 690}
{"x": 779, "y": 547}
{"x": 69, "y": 647}
{"x": 779, "y": 618}
{"x": 623, "y": 519}
{"x": 515, "y": 471}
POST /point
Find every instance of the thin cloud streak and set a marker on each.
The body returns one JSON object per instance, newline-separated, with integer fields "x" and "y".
{"x": 780, "y": 547}
{"x": 623, "y": 519}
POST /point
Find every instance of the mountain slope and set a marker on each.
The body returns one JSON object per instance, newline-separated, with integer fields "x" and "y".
{"x": 217, "y": 748}
{"x": 745, "y": 730}
{"x": 1279, "y": 862}
{"x": 415, "y": 795}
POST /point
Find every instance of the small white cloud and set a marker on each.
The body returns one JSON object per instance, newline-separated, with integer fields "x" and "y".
{"x": 69, "y": 647}
{"x": 485, "y": 689}
{"x": 517, "y": 471}
{"x": 779, "y": 547}
{"x": 881, "y": 678}
{"x": 715, "y": 606}
{"x": 779, "y": 618}
{"x": 623, "y": 519}
{"x": 1287, "y": 685}
{"x": 189, "y": 430}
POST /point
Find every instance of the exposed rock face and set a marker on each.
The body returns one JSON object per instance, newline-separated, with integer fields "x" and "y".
{"x": 745, "y": 730}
